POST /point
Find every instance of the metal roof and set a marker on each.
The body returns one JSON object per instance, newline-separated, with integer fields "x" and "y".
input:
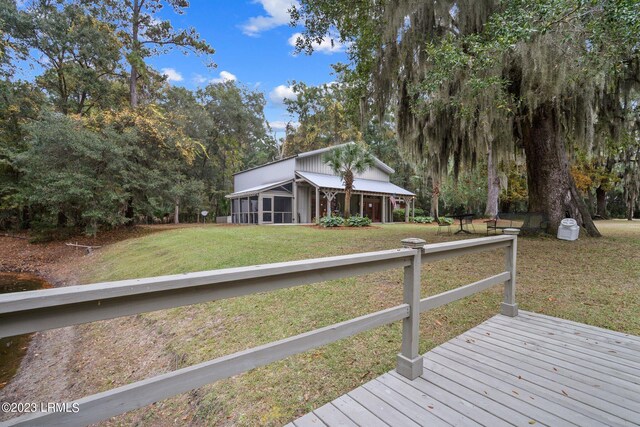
{"x": 359, "y": 185}
{"x": 255, "y": 190}
{"x": 267, "y": 164}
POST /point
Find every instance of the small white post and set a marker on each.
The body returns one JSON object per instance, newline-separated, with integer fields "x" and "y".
{"x": 409, "y": 361}
{"x": 361, "y": 204}
{"x": 509, "y": 306}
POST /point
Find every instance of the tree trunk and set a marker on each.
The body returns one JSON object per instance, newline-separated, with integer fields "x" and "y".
{"x": 631, "y": 204}
{"x": 435, "y": 198}
{"x": 176, "y": 213}
{"x": 62, "y": 219}
{"x": 348, "y": 187}
{"x": 591, "y": 203}
{"x": 25, "y": 218}
{"x": 552, "y": 190}
{"x": 347, "y": 202}
{"x": 135, "y": 48}
{"x": 601, "y": 203}
{"x": 128, "y": 213}
{"x": 133, "y": 87}
{"x": 493, "y": 186}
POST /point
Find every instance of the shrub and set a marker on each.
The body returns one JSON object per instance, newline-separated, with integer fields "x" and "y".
{"x": 398, "y": 214}
{"x": 423, "y": 219}
{"x": 331, "y": 221}
{"x": 358, "y": 221}
{"x": 445, "y": 220}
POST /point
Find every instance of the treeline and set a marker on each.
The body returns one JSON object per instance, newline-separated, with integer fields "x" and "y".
{"x": 99, "y": 138}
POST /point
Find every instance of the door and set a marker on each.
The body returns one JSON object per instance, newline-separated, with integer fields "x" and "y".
{"x": 267, "y": 209}
{"x": 372, "y": 208}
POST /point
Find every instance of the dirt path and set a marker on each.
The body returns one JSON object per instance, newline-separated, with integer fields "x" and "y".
{"x": 61, "y": 364}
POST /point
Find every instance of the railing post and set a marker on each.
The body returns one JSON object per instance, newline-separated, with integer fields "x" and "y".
{"x": 509, "y": 306}
{"x": 409, "y": 360}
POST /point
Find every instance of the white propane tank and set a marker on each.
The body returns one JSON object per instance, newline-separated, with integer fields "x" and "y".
{"x": 569, "y": 229}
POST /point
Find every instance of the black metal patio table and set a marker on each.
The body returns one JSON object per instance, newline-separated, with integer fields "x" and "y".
{"x": 461, "y": 217}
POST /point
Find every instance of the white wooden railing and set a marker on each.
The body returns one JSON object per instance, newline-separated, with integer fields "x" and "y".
{"x": 32, "y": 311}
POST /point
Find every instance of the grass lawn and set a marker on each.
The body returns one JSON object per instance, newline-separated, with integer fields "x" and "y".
{"x": 594, "y": 281}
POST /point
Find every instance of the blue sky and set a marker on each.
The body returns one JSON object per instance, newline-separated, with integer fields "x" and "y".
{"x": 253, "y": 43}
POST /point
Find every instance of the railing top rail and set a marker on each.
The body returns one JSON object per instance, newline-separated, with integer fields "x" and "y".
{"x": 440, "y": 251}
{"x": 466, "y": 243}
{"x": 107, "y": 290}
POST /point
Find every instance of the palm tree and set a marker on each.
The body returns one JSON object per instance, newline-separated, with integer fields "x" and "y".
{"x": 345, "y": 160}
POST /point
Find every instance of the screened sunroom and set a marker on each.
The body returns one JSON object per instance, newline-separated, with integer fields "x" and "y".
{"x": 265, "y": 204}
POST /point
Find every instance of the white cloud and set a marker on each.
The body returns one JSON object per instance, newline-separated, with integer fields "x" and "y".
{"x": 325, "y": 46}
{"x": 277, "y": 14}
{"x": 280, "y": 93}
{"x": 281, "y": 126}
{"x": 225, "y": 76}
{"x": 172, "y": 75}
{"x": 199, "y": 78}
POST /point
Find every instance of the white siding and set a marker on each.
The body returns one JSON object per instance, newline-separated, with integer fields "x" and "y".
{"x": 278, "y": 171}
{"x": 303, "y": 204}
{"x": 316, "y": 165}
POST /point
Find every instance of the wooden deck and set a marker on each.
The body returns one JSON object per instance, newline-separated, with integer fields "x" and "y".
{"x": 526, "y": 370}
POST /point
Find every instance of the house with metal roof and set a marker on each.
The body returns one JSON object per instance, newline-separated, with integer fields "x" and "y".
{"x": 302, "y": 188}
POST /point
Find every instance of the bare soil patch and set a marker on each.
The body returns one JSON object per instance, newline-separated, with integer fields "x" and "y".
{"x": 48, "y": 372}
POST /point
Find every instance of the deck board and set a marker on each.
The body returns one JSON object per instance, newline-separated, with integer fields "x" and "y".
{"x": 579, "y": 370}
{"x": 528, "y": 370}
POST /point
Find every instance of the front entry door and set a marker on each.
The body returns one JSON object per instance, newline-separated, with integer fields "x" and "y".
{"x": 372, "y": 209}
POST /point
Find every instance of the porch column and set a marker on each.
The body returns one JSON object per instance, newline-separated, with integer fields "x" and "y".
{"x": 260, "y": 209}
{"x": 407, "y": 201}
{"x": 361, "y": 204}
{"x": 384, "y": 209}
{"x": 294, "y": 211}
{"x": 231, "y": 211}
{"x": 248, "y": 210}
{"x": 413, "y": 208}
{"x": 317, "y": 205}
{"x": 329, "y": 196}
